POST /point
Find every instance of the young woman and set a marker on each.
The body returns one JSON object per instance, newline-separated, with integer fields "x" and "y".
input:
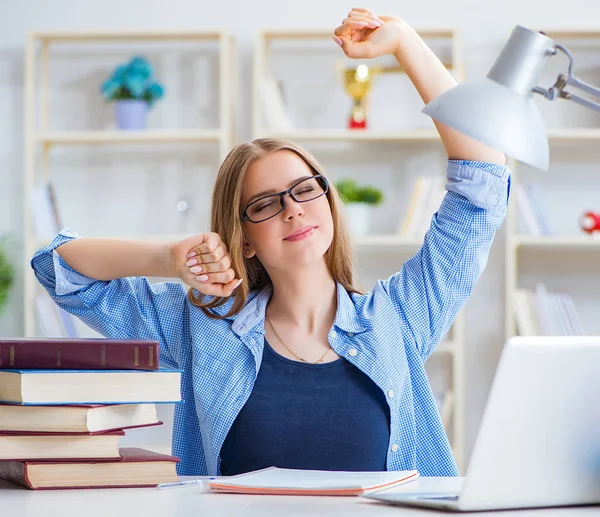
{"x": 290, "y": 364}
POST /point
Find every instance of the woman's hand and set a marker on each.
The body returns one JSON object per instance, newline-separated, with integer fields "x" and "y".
{"x": 202, "y": 261}
{"x": 365, "y": 35}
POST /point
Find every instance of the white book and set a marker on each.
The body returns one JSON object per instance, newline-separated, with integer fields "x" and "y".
{"x": 561, "y": 299}
{"x": 279, "y": 481}
{"x": 526, "y": 214}
{"x": 416, "y": 206}
{"x": 524, "y": 314}
{"x": 573, "y": 315}
{"x": 434, "y": 200}
{"x": 560, "y": 315}
{"x": 549, "y": 317}
{"x": 274, "y": 110}
{"x": 531, "y": 304}
{"x": 541, "y": 311}
{"x": 413, "y": 202}
{"x": 533, "y": 194}
{"x": 43, "y": 212}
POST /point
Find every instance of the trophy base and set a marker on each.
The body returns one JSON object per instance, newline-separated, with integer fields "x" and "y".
{"x": 357, "y": 124}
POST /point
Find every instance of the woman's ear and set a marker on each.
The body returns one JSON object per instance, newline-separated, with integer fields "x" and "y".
{"x": 248, "y": 251}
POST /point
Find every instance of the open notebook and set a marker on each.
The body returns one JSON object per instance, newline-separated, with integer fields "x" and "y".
{"x": 276, "y": 481}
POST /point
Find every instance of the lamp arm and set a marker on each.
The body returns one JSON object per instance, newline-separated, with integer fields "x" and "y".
{"x": 558, "y": 91}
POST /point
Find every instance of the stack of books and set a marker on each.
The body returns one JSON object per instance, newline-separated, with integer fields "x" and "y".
{"x": 534, "y": 218}
{"x": 545, "y": 313}
{"x": 64, "y": 405}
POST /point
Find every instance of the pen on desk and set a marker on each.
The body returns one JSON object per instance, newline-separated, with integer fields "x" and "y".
{"x": 177, "y": 484}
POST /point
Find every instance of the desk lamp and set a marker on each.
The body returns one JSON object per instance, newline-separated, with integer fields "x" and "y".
{"x": 500, "y": 111}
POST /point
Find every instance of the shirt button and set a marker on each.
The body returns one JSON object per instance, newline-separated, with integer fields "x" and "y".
{"x": 350, "y": 334}
{"x": 333, "y": 334}
{"x": 394, "y": 447}
{"x": 391, "y": 394}
{"x": 352, "y": 352}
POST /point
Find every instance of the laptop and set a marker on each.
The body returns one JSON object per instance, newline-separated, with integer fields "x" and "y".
{"x": 539, "y": 441}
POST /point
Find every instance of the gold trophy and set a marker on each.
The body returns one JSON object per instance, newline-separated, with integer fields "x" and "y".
{"x": 358, "y": 82}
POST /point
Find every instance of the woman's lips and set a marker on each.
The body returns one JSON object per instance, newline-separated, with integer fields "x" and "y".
{"x": 301, "y": 233}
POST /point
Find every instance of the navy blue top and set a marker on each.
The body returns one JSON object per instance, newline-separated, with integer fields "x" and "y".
{"x": 328, "y": 416}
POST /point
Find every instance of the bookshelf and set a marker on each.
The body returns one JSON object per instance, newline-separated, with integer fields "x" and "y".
{"x": 148, "y": 136}
{"x": 565, "y": 259}
{"x": 41, "y": 139}
{"x": 382, "y": 252}
{"x": 344, "y": 135}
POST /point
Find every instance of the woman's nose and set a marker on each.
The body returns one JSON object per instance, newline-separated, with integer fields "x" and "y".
{"x": 291, "y": 207}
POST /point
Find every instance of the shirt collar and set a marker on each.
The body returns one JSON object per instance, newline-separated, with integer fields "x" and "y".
{"x": 253, "y": 313}
{"x": 346, "y": 316}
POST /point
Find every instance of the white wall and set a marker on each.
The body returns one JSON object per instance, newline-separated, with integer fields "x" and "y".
{"x": 484, "y": 26}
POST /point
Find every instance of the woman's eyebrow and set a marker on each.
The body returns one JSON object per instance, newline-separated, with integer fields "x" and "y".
{"x": 273, "y": 191}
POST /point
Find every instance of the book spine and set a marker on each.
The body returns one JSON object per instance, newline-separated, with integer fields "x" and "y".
{"x": 15, "y": 472}
{"x": 79, "y": 355}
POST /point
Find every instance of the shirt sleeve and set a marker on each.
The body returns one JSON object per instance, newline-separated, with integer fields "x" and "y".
{"x": 432, "y": 286}
{"x": 124, "y": 308}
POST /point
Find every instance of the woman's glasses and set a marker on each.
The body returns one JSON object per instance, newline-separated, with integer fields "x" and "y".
{"x": 269, "y": 206}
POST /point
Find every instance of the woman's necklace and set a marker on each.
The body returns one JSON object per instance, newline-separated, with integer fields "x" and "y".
{"x": 297, "y": 356}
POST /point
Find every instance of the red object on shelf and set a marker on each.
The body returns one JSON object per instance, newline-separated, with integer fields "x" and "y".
{"x": 590, "y": 222}
{"x": 353, "y": 124}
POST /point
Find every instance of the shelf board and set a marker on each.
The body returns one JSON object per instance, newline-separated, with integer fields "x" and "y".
{"x": 557, "y": 241}
{"x": 572, "y": 34}
{"x": 387, "y": 240}
{"x": 167, "y": 34}
{"x": 573, "y": 134}
{"x": 418, "y": 135}
{"x": 292, "y": 33}
{"x": 393, "y": 135}
{"x": 148, "y": 136}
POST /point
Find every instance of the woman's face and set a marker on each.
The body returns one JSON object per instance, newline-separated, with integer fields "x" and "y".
{"x": 298, "y": 235}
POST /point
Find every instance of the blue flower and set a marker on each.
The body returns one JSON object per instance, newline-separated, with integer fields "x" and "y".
{"x": 133, "y": 81}
{"x": 136, "y": 84}
{"x": 119, "y": 73}
{"x": 156, "y": 91}
{"x": 109, "y": 88}
{"x": 141, "y": 67}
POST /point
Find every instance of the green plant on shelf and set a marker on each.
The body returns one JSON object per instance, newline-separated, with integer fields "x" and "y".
{"x": 350, "y": 192}
{"x": 7, "y": 273}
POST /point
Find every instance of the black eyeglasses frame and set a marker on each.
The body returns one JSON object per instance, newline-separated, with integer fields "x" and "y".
{"x": 282, "y": 194}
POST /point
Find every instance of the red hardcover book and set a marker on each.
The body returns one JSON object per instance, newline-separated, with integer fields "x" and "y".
{"x": 136, "y": 468}
{"x": 79, "y": 354}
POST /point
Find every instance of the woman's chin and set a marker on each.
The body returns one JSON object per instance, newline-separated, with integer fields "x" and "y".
{"x": 302, "y": 256}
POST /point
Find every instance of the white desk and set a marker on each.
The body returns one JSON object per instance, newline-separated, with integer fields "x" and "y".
{"x": 195, "y": 502}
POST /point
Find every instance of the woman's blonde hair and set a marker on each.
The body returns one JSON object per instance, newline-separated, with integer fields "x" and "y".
{"x": 226, "y": 221}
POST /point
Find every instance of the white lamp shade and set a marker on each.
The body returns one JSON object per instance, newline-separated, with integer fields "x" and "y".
{"x": 497, "y": 116}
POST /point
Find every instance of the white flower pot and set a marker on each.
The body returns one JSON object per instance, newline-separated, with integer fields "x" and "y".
{"x": 358, "y": 216}
{"x": 131, "y": 114}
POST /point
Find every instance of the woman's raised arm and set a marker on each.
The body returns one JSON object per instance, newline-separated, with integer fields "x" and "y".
{"x": 365, "y": 35}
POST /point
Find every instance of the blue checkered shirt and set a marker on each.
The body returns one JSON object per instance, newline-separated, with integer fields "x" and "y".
{"x": 388, "y": 333}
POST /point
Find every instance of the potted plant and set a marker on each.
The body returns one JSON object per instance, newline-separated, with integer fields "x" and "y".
{"x": 7, "y": 273}
{"x": 133, "y": 90}
{"x": 358, "y": 202}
